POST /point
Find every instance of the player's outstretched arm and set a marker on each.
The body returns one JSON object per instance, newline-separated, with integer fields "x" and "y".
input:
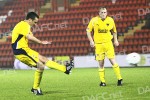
{"x": 34, "y": 39}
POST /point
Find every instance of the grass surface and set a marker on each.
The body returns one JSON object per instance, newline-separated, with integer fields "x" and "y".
{"x": 82, "y": 84}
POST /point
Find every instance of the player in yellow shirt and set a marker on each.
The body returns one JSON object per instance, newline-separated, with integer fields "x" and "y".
{"x": 20, "y": 36}
{"x": 103, "y": 26}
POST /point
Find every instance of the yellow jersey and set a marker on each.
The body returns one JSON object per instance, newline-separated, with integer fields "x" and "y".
{"x": 19, "y": 33}
{"x": 102, "y": 29}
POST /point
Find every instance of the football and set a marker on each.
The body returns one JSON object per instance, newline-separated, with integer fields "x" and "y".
{"x": 133, "y": 58}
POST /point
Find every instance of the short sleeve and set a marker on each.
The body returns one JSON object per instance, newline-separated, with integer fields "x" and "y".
{"x": 114, "y": 27}
{"x": 90, "y": 26}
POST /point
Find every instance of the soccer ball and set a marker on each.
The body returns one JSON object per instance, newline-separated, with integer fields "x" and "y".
{"x": 133, "y": 58}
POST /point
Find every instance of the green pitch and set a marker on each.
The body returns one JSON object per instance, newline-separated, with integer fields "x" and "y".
{"x": 82, "y": 84}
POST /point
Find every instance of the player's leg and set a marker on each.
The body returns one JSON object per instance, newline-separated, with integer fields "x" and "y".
{"x": 117, "y": 71}
{"x": 100, "y": 58}
{"x": 51, "y": 64}
{"x": 111, "y": 55}
{"x": 102, "y": 73}
{"x": 31, "y": 58}
{"x": 32, "y": 62}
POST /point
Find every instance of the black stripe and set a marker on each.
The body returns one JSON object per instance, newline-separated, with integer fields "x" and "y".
{"x": 14, "y": 45}
{"x": 22, "y": 52}
{"x": 32, "y": 59}
{"x": 19, "y": 52}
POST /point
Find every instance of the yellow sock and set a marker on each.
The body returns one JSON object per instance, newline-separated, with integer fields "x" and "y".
{"x": 37, "y": 79}
{"x": 117, "y": 71}
{"x": 102, "y": 75}
{"x": 54, "y": 65}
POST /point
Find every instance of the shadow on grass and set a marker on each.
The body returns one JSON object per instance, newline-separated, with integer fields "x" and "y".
{"x": 125, "y": 84}
{"x": 53, "y": 92}
{"x": 65, "y": 93}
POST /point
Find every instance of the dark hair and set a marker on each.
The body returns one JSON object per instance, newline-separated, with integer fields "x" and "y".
{"x": 31, "y": 15}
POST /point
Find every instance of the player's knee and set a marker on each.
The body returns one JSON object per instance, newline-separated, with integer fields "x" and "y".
{"x": 101, "y": 64}
{"x": 43, "y": 59}
{"x": 40, "y": 66}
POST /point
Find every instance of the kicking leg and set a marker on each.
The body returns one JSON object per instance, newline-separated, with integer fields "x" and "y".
{"x": 51, "y": 64}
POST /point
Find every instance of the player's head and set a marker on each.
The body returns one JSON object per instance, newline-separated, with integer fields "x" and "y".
{"x": 102, "y": 12}
{"x": 32, "y": 17}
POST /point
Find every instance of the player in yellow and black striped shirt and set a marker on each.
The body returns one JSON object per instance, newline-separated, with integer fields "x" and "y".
{"x": 103, "y": 26}
{"x": 20, "y": 36}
